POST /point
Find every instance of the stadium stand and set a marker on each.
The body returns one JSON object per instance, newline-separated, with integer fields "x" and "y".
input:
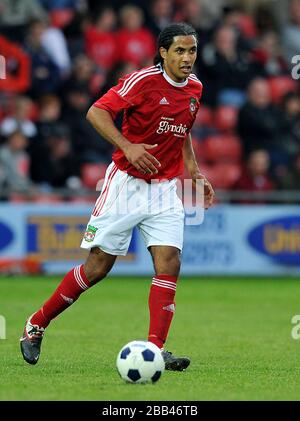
{"x": 235, "y": 36}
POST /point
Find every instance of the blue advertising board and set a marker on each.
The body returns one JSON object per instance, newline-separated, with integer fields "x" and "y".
{"x": 239, "y": 239}
{"x": 233, "y": 239}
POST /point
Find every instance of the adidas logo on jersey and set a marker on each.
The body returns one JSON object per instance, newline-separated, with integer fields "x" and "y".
{"x": 164, "y": 101}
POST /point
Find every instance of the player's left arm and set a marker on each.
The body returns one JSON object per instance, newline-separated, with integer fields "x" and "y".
{"x": 192, "y": 166}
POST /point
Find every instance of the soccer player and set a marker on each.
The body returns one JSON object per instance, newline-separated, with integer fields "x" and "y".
{"x": 160, "y": 105}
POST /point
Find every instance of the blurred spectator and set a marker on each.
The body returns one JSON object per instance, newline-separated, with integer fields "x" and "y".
{"x": 258, "y": 120}
{"x": 74, "y": 32}
{"x": 291, "y": 31}
{"x": 120, "y": 69}
{"x": 226, "y": 70}
{"x": 15, "y": 16}
{"x": 60, "y": 4}
{"x": 288, "y": 138}
{"x": 87, "y": 143}
{"x": 85, "y": 76}
{"x": 14, "y": 164}
{"x": 54, "y": 43}
{"x": 161, "y": 15}
{"x": 58, "y": 165}
{"x": 264, "y": 15}
{"x": 45, "y": 75}
{"x": 136, "y": 44}
{"x": 100, "y": 40}
{"x": 291, "y": 179}
{"x": 243, "y": 24}
{"x": 255, "y": 177}
{"x": 19, "y": 120}
{"x": 290, "y": 123}
{"x": 49, "y": 118}
{"x": 268, "y": 55}
{"x": 211, "y": 11}
{"x": 191, "y": 12}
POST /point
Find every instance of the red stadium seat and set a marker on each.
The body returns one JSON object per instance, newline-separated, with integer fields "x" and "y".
{"x": 198, "y": 148}
{"x": 225, "y": 118}
{"x": 222, "y": 176}
{"x": 18, "y": 198}
{"x": 204, "y": 116}
{"x": 222, "y": 148}
{"x": 226, "y": 175}
{"x": 92, "y": 173}
{"x": 47, "y": 198}
{"x": 83, "y": 199}
{"x": 281, "y": 85}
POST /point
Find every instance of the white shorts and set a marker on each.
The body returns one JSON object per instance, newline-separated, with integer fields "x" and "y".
{"x": 125, "y": 202}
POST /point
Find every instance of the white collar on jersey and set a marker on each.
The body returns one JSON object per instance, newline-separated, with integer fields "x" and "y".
{"x": 172, "y": 82}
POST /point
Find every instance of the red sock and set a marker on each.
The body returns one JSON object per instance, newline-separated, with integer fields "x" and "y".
{"x": 73, "y": 284}
{"x": 162, "y": 308}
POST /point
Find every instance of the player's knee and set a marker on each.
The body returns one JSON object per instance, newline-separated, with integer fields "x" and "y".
{"x": 169, "y": 265}
{"x": 96, "y": 274}
{"x": 97, "y": 270}
{"x": 98, "y": 265}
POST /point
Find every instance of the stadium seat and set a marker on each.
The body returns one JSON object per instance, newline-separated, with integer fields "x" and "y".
{"x": 83, "y": 199}
{"x": 18, "y": 198}
{"x": 225, "y": 118}
{"x": 204, "y": 116}
{"x": 222, "y": 148}
{"x": 48, "y": 198}
{"x": 198, "y": 148}
{"x": 223, "y": 175}
{"x": 61, "y": 17}
{"x": 92, "y": 173}
{"x": 281, "y": 85}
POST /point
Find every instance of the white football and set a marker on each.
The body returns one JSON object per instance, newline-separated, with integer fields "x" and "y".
{"x": 140, "y": 362}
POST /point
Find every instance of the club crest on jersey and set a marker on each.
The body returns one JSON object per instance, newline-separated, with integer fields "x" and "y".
{"x": 193, "y": 103}
{"x": 90, "y": 233}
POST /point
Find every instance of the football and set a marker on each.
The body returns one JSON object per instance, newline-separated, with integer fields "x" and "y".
{"x": 140, "y": 362}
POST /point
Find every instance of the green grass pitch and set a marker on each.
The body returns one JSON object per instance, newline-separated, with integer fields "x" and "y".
{"x": 236, "y": 331}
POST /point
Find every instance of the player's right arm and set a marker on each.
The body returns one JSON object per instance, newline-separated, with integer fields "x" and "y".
{"x": 102, "y": 113}
{"x": 136, "y": 154}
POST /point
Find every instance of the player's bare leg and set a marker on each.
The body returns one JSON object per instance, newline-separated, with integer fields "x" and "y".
{"x": 98, "y": 265}
{"x": 166, "y": 260}
{"x": 78, "y": 280}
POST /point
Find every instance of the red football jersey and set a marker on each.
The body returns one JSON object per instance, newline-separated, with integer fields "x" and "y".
{"x": 157, "y": 110}
{"x": 135, "y": 46}
{"x": 101, "y": 47}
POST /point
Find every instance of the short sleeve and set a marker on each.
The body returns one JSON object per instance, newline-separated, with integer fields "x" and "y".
{"x": 118, "y": 98}
{"x": 128, "y": 92}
